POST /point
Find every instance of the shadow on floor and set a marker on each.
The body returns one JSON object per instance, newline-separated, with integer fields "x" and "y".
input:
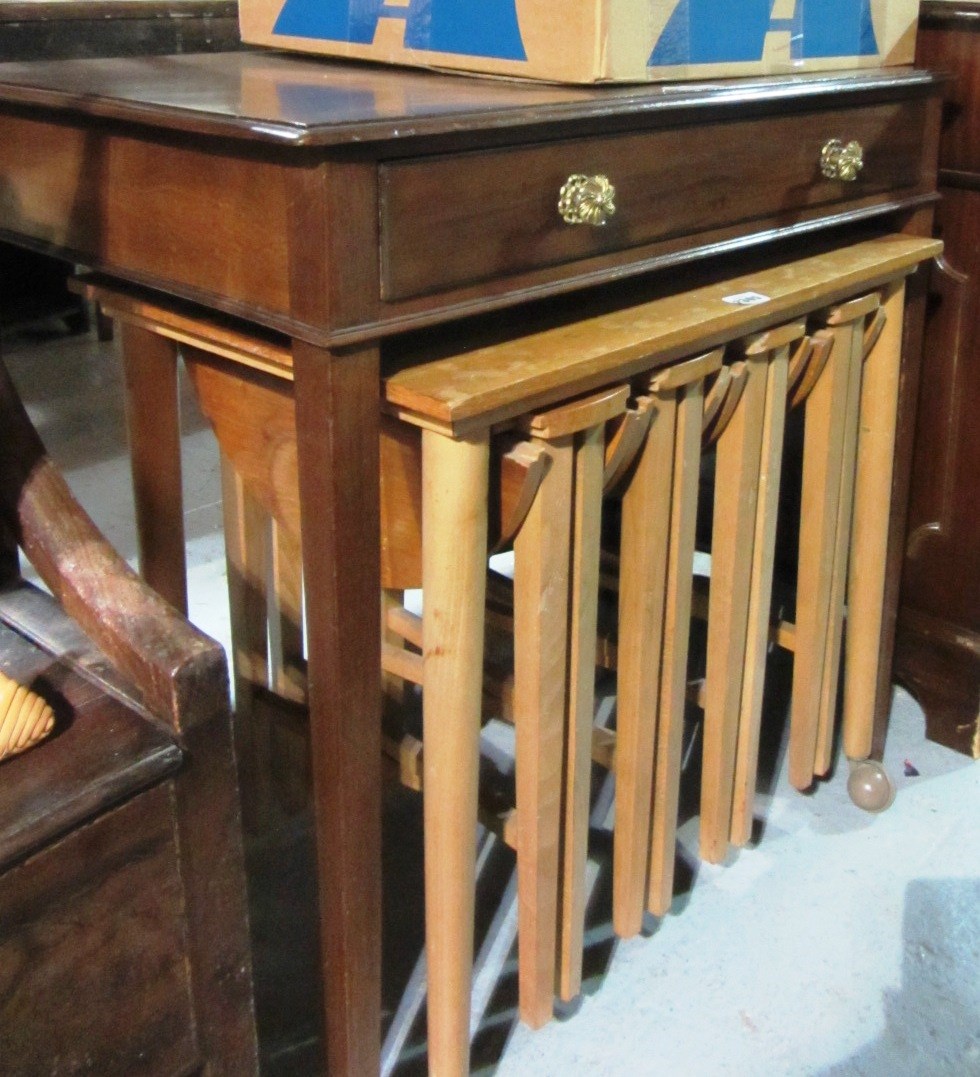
{"x": 932, "y": 1023}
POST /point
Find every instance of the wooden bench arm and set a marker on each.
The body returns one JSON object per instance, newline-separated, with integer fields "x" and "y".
{"x": 178, "y": 670}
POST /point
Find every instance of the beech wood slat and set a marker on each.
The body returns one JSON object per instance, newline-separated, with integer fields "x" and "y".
{"x": 541, "y": 595}
{"x": 757, "y": 641}
{"x": 822, "y": 462}
{"x": 850, "y": 340}
{"x": 746, "y": 498}
{"x": 872, "y": 492}
{"x": 586, "y": 534}
{"x": 737, "y": 469}
{"x": 644, "y": 555}
{"x": 685, "y": 465}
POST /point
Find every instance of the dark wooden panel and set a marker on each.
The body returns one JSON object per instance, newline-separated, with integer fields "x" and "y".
{"x": 942, "y": 573}
{"x": 937, "y": 654}
{"x": 98, "y": 917}
{"x": 210, "y": 221}
{"x": 51, "y": 29}
{"x": 940, "y": 666}
{"x": 35, "y": 287}
{"x": 951, "y": 42}
{"x": 938, "y": 650}
{"x": 450, "y": 221}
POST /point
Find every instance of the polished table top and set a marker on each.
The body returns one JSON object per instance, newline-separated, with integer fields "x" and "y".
{"x": 288, "y": 100}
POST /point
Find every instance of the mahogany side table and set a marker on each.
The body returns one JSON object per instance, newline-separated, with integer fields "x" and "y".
{"x": 344, "y": 204}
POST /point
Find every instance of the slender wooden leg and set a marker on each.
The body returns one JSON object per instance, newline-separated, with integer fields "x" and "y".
{"x": 337, "y": 418}
{"x": 394, "y": 686}
{"x": 733, "y": 533}
{"x": 643, "y": 574}
{"x": 556, "y": 604}
{"x": 686, "y": 468}
{"x": 822, "y": 456}
{"x": 757, "y": 641}
{"x": 917, "y": 288}
{"x": 541, "y": 582}
{"x": 153, "y": 418}
{"x": 587, "y": 516}
{"x": 829, "y": 451}
{"x": 285, "y": 704}
{"x": 850, "y": 343}
{"x": 454, "y": 569}
{"x": 872, "y": 503}
{"x": 286, "y": 621}
{"x": 247, "y": 530}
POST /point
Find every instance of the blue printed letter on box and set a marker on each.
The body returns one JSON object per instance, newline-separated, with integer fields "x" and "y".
{"x": 833, "y": 28}
{"x": 488, "y": 29}
{"x": 734, "y": 31}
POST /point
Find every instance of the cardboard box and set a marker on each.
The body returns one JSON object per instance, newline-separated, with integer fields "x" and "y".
{"x": 588, "y": 41}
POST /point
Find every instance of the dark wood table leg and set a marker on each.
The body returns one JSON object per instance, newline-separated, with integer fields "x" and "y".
{"x": 337, "y": 417}
{"x": 153, "y": 421}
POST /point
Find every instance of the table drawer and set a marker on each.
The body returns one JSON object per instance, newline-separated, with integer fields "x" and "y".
{"x": 456, "y": 220}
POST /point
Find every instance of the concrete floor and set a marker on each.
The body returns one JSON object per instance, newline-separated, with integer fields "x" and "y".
{"x": 841, "y": 943}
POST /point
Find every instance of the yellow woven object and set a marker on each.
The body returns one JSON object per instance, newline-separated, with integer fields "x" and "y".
{"x": 25, "y": 718}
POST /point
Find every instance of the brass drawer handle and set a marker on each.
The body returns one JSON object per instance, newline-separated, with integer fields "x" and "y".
{"x": 841, "y": 162}
{"x": 587, "y": 200}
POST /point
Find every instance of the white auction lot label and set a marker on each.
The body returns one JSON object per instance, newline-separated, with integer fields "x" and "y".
{"x": 746, "y": 299}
